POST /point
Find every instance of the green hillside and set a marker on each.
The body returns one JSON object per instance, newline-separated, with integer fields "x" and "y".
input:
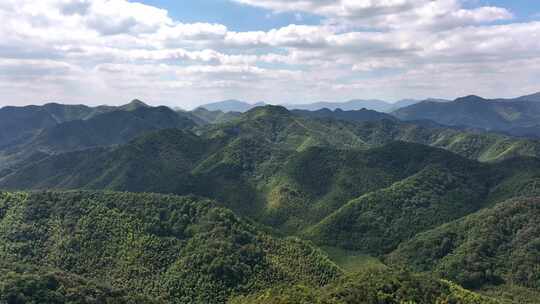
{"x": 177, "y": 249}
{"x": 371, "y": 287}
{"x": 495, "y": 246}
{"x": 289, "y": 172}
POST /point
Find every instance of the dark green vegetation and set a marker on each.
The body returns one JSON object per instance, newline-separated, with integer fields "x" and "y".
{"x": 32, "y": 133}
{"x": 516, "y": 116}
{"x": 492, "y": 246}
{"x": 173, "y": 249}
{"x": 22, "y": 283}
{"x": 398, "y": 207}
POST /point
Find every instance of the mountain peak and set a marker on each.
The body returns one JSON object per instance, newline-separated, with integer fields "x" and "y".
{"x": 471, "y": 98}
{"x": 268, "y": 110}
{"x": 133, "y": 105}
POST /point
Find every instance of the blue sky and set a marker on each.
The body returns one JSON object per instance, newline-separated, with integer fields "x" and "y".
{"x": 190, "y": 52}
{"x": 236, "y": 16}
{"x": 240, "y": 17}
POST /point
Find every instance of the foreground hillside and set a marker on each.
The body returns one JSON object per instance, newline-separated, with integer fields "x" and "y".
{"x": 142, "y": 248}
{"x": 499, "y": 245}
{"x": 175, "y": 249}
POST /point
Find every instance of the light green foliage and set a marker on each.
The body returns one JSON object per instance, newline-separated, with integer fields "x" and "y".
{"x": 372, "y": 287}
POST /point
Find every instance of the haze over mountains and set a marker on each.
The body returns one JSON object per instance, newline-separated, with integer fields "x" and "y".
{"x": 376, "y": 105}
{"x": 271, "y": 204}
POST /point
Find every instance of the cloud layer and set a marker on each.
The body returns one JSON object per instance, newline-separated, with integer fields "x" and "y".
{"x": 110, "y": 51}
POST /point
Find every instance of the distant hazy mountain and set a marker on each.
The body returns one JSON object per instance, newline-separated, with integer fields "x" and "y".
{"x": 203, "y": 116}
{"x": 519, "y": 116}
{"x": 403, "y": 103}
{"x": 357, "y": 104}
{"x": 362, "y": 115}
{"x": 231, "y": 106}
{"x": 354, "y": 105}
{"x": 532, "y": 97}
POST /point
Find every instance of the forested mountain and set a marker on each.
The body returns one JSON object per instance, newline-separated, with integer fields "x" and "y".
{"x": 18, "y": 124}
{"x": 256, "y": 143}
{"x": 110, "y": 128}
{"x": 361, "y": 185}
{"x": 520, "y": 116}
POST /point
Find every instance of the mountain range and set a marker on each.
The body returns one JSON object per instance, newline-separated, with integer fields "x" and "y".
{"x": 140, "y": 204}
{"x": 519, "y": 116}
{"x": 352, "y": 105}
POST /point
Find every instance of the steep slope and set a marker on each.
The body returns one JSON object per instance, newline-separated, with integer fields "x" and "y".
{"x": 379, "y": 221}
{"x": 495, "y": 246}
{"x": 315, "y": 183}
{"x": 475, "y": 112}
{"x": 175, "y": 249}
